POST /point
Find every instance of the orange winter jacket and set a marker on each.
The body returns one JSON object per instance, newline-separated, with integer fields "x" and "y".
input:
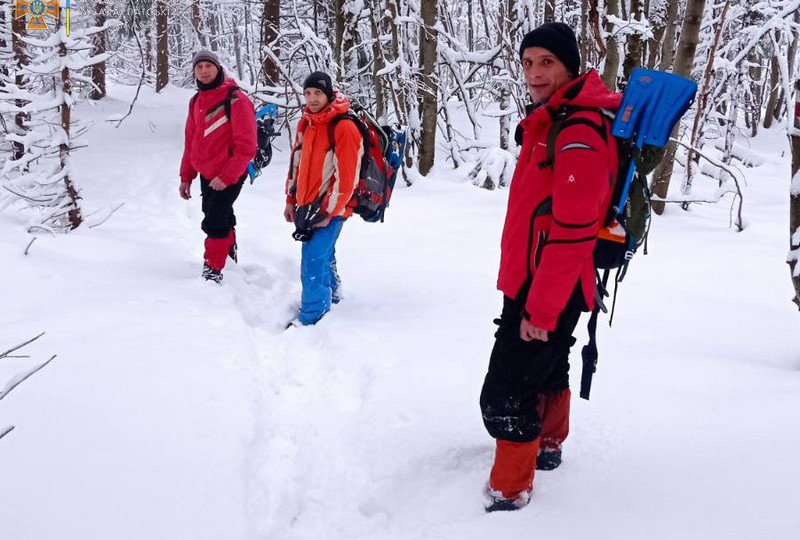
{"x": 316, "y": 175}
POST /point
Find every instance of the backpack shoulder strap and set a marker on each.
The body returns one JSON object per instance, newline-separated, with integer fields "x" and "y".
{"x": 228, "y": 100}
{"x": 349, "y": 115}
{"x": 563, "y": 118}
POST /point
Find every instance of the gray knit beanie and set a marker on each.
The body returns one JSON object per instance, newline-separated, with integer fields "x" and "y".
{"x": 204, "y": 55}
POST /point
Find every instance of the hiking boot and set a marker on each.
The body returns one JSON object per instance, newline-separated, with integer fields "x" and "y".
{"x": 547, "y": 460}
{"x": 495, "y": 502}
{"x": 233, "y": 253}
{"x": 212, "y": 274}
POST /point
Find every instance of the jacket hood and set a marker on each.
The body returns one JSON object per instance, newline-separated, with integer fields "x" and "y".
{"x": 587, "y": 90}
{"x": 337, "y": 107}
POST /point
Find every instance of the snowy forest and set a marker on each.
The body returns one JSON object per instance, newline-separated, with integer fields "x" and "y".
{"x": 138, "y": 400}
{"x": 411, "y": 62}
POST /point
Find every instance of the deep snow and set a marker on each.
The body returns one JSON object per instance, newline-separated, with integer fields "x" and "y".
{"x": 177, "y": 409}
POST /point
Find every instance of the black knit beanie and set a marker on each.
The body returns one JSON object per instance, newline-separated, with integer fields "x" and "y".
{"x": 321, "y": 81}
{"x": 559, "y": 39}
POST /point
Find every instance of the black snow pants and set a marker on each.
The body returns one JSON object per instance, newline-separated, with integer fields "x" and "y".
{"x": 519, "y": 370}
{"x": 219, "y": 218}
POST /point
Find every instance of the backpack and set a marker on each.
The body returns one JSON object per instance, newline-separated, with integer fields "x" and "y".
{"x": 265, "y": 131}
{"x": 652, "y": 103}
{"x": 382, "y": 158}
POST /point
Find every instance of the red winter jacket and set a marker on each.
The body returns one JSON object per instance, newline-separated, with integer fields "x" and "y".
{"x": 554, "y": 213}
{"x": 315, "y": 174}
{"x": 215, "y": 146}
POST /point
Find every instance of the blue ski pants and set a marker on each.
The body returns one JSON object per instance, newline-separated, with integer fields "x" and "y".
{"x": 318, "y": 273}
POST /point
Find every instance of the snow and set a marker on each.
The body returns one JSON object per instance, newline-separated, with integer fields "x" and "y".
{"x": 180, "y": 409}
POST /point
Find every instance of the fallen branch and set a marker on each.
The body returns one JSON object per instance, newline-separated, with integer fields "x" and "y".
{"x": 6, "y": 431}
{"x": 19, "y": 380}
{"x": 9, "y": 351}
{"x": 111, "y": 213}
{"x": 30, "y": 244}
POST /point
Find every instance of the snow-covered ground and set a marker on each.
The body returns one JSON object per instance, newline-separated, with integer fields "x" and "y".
{"x": 178, "y": 409}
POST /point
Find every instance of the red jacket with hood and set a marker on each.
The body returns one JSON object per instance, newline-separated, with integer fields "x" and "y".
{"x": 215, "y": 146}
{"x": 554, "y": 212}
{"x": 315, "y": 174}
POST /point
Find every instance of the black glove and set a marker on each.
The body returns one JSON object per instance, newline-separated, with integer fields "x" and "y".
{"x": 303, "y": 235}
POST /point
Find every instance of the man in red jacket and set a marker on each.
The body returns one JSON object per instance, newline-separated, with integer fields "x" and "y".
{"x": 220, "y": 142}
{"x": 555, "y": 209}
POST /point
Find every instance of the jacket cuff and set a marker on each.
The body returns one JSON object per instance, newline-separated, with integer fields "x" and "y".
{"x": 541, "y": 320}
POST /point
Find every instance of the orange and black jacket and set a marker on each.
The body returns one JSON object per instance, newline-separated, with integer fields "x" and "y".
{"x": 216, "y": 145}
{"x": 317, "y": 175}
{"x": 556, "y": 209}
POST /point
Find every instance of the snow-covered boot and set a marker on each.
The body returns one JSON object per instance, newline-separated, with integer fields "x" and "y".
{"x": 495, "y": 502}
{"x": 547, "y": 460}
{"x": 212, "y": 274}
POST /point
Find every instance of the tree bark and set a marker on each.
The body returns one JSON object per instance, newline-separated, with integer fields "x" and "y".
{"x": 634, "y": 46}
{"x": 270, "y": 35}
{"x": 684, "y": 58}
{"x": 376, "y": 22}
{"x": 74, "y": 216}
{"x": 612, "y": 48}
{"x": 344, "y": 46}
{"x": 585, "y": 38}
{"x": 428, "y": 85}
{"x": 21, "y": 60}
{"x": 100, "y": 43}
{"x": 549, "y": 10}
{"x": 668, "y": 47}
{"x": 774, "y": 85}
{"x": 197, "y": 24}
{"x": 162, "y": 56}
{"x": 794, "y": 200}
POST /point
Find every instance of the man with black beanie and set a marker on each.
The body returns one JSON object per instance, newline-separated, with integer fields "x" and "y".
{"x": 220, "y": 141}
{"x": 557, "y": 202}
{"x": 323, "y": 174}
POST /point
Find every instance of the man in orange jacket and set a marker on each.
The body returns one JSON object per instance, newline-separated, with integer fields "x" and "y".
{"x": 220, "y": 141}
{"x": 322, "y": 176}
{"x": 555, "y": 209}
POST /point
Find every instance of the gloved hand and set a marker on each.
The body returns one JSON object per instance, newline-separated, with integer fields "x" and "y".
{"x": 303, "y": 235}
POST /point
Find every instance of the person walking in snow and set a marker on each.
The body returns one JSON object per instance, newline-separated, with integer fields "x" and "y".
{"x": 220, "y": 141}
{"x": 319, "y": 189}
{"x": 555, "y": 209}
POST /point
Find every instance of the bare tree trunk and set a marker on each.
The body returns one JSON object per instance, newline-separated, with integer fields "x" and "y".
{"x": 73, "y": 209}
{"x": 633, "y": 55}
{"x": 100, "y": 43}
{"x": 586, "y": 40}
{"x": 21, "y": 60}
{"x": 270, "y": 35}
{"x": 693, "y": 157}
{"x": 774, "y": 92}
{"x": 549, "y": 10}
{"x": 612, "y": 48}
{"x": 197, "y": 24}
{"x": 237, "y": 42}
{"x": 376, "y": 20}
{"x": 794, "y": 200}
{"x": 344, "y": 45}
{"x": 668, "y": 47}
{"x": 755, "y": 97}
{"x": 684, "y": 58}
{"x": 162, "y": 56}
{"x": 428, "y": 84}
